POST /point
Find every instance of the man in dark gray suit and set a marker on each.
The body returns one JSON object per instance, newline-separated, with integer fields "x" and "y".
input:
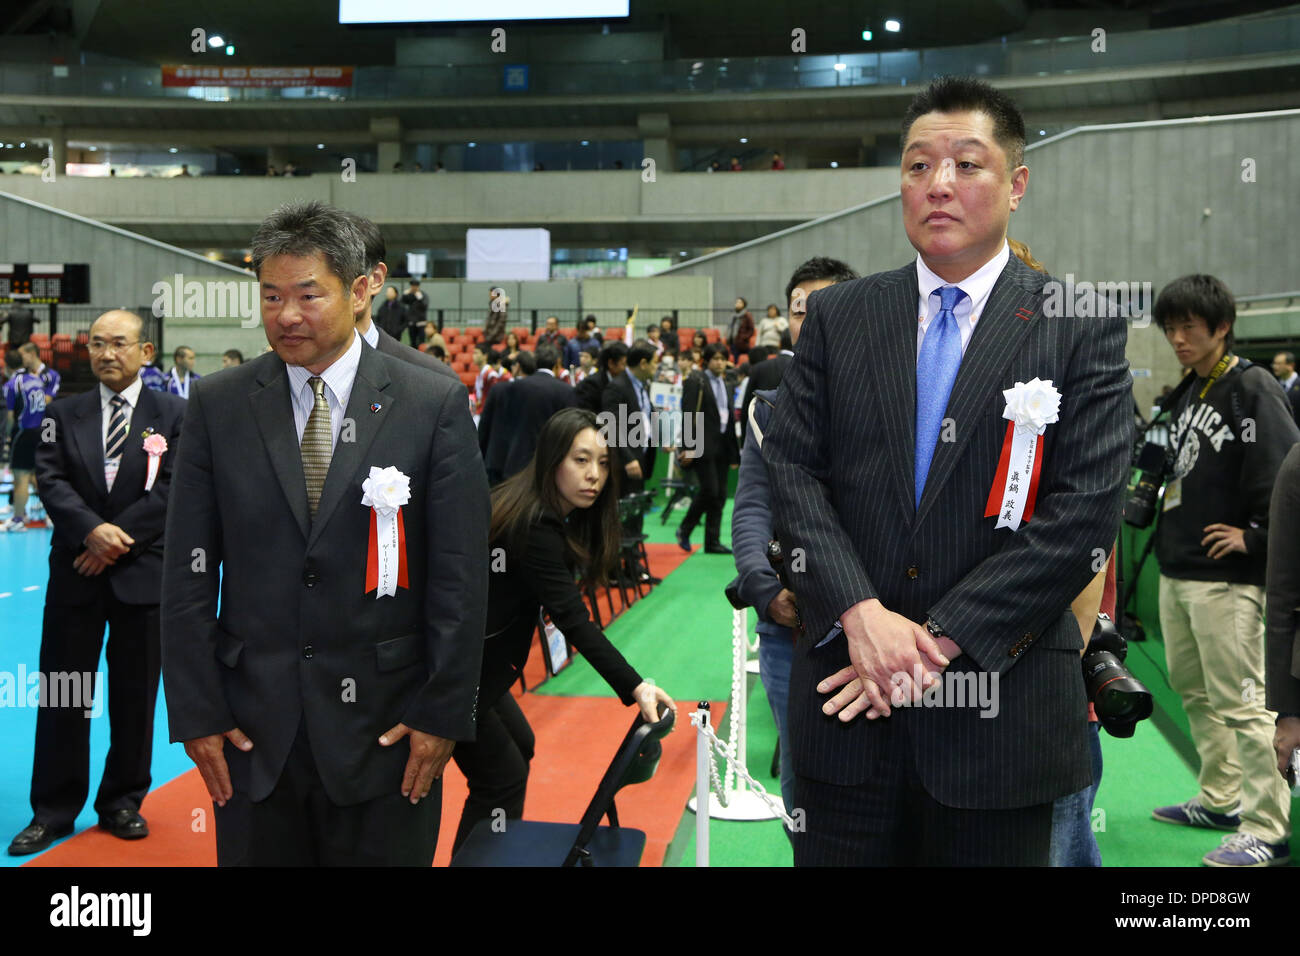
{"x": 918, "y": 562}
{"x": 335, "y": 498}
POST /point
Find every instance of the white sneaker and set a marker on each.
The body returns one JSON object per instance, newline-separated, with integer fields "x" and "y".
{"x": 6, "y": 511}
{"x": 15, "y": 525}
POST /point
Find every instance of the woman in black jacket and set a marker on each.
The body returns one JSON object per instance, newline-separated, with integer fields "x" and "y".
{"x": 556, "y": 517}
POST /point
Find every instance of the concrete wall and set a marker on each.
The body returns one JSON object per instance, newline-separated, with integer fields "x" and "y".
{"x": 610, "y": 300}
{"x": 1144, "y": 202}
{"x": 124, "y": 268}
{"x": 468, "y": 199}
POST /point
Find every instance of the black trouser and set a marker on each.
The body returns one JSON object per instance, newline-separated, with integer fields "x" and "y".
{"x": 495, "y": 765}
{"x": 72, "y": 637}
{"x": 709, "y": 500}
{"x": 417, "y": 335}
{"x": 298, "y": 824}
{"x": 892, "y": 821}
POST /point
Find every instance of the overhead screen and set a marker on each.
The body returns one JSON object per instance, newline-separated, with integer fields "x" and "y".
{"x": 444, "y": 11}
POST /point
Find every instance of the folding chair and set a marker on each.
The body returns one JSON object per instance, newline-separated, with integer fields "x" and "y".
{"x": 530, "y": 843}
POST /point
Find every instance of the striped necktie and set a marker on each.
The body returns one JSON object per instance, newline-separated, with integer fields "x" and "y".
{"x": 115, "y": 441}
{"x": 936, "y": 370}
{"x": 317, "y": 444}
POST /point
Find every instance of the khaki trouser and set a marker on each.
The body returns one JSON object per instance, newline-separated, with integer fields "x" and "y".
{"x": 1214, "y": 646}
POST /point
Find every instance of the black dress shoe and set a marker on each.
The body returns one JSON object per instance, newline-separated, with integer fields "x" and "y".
{"x": 36, "y": 838}
{"x": 124, "y": 824}
{"x": 651, "y": 579}
{"x": 716, "y": 549}
{"x": 683, "y": 540}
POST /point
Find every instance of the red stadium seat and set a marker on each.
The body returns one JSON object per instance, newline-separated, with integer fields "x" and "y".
{"x": 41, "y": 339}
{"x": 712, "y": 335}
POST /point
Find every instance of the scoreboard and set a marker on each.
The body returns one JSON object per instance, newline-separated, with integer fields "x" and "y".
{"x": 43, "y": 283}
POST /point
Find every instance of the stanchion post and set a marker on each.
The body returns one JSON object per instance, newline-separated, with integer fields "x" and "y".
{"x": 702, "y": 757}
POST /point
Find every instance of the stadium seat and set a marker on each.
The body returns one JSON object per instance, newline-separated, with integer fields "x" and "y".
{"x": 530, "y": 843}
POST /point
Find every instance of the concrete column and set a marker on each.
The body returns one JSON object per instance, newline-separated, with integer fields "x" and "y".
{"x": 387, "y": 130}
{"x": 657, "y": 140}
{"x": 277, "y": 156}
{"x": 59, "y": 151}
{"x": 795, "y": 155}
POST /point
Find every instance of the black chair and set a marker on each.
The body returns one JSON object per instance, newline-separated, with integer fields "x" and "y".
{"x": 530, "y": 843}
{"x": 635, "y": 559}
{"x": 679, "y": 489}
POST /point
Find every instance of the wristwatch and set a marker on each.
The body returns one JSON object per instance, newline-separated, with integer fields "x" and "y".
{"x": 934, "y": 628}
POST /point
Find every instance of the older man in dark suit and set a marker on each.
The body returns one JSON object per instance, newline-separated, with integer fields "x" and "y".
{"x": 333, "y": 498}
{"x": 941, "y": 489}
{"x": 104, "y": 464}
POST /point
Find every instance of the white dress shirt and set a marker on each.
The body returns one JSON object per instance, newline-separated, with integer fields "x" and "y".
{"x": 977, "y": 287}
{"x": 338, "y": 389}
{"x": 371, "y": 335}
{"x": 131, "y": 394}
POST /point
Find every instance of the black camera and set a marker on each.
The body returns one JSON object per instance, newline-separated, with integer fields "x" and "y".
{"x": 1119, "y": 698}
{"x": 1152, "y": 461}
{"x": 775, "y": 558}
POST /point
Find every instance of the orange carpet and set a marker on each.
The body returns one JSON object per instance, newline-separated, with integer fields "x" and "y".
{"x": 576, "y": 737}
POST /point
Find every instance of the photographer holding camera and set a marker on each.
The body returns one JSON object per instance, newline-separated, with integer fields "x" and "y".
{"x": 1230, "y": 430}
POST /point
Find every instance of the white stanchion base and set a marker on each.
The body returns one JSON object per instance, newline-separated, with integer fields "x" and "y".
{"x": 751, "y": 667}
{"x": 741, "y": 805}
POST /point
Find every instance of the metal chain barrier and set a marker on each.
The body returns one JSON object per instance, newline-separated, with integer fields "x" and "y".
{"x": 728, "y": 753}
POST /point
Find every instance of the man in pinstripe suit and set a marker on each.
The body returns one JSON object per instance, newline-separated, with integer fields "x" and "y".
{"x": 884, "y": 456}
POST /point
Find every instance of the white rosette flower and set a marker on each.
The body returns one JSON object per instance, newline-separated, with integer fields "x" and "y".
{"x": 1032, "y": 405}
{"x": 386, "y": 490}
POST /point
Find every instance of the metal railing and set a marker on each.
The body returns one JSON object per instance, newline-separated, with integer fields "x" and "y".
{"x": 611, "y": 322}
{"x": 1278, "y": 33}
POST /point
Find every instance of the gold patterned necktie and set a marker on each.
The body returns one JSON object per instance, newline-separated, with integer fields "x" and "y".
{"x": 317, "y": 444}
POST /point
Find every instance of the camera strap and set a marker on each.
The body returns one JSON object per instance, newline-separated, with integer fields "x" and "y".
{"x": 1216, "y": 373}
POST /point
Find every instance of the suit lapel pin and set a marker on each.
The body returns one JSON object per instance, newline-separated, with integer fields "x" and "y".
{"x": 375, "y": 406}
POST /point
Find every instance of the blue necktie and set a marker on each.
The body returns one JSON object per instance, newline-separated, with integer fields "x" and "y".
{"x": 936, "y": 370}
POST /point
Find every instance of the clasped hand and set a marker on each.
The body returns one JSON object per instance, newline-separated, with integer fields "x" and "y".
{"x": 104, "y": 545}
{"x": 888, "y": 653}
